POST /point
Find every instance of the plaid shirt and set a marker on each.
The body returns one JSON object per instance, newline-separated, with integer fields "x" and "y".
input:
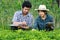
{"x": 18, "y": 17}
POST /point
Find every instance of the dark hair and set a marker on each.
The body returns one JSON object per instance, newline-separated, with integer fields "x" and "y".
{"x": 43, "y": 11}
{"x": 26, "y": 4}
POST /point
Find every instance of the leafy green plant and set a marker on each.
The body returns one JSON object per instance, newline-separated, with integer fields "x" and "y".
{"x": 29, "y": 35}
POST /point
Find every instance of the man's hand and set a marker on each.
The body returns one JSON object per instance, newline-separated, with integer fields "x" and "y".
{"x": 24, "y": 23}
{"x": 49, "y": 26}
{"x": 21, "y": 25}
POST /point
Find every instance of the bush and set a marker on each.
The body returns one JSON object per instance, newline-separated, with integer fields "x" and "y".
{"x": 29, "y": 35}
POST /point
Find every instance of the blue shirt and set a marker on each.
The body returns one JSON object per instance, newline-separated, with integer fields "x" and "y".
{"x": 40, "y": 23}
{"x": 18, "y": 17}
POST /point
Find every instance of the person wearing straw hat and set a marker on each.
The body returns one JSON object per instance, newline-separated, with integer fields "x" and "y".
{"x": 44, "y": 21}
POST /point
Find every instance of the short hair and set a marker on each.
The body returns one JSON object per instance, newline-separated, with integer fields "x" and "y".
{"x": 43, "y": 11}
{"x": 26, "y": 4}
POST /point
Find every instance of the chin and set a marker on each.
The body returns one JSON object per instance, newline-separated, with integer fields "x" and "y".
{"x": 25, "y": 13}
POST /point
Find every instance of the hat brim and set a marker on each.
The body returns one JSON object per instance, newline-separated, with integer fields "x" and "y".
{"x": 42, "y": 9}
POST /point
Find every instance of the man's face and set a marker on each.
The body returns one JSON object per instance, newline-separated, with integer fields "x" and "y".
{"x": 41, "y": 13}
{"x": 25, "y": 10}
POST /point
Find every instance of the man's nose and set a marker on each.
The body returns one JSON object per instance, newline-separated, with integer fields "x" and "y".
{"x": 26, "y": 10}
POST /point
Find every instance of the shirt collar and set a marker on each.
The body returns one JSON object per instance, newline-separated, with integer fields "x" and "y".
{"x": 26, "y": 15}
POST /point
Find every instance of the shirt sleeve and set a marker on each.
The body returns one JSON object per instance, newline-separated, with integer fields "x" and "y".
{"x": 51, "y": 21}
{"x": 15, "y": 17}
{"x": 30, "y": 24}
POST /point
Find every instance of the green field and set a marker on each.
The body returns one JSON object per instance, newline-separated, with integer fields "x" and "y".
{"x": 9, "y": 7}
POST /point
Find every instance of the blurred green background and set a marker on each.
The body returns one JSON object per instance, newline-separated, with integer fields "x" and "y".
{"x": 9, "y": 7}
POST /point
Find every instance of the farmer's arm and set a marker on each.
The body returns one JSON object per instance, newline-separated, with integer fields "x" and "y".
{"x": 17, "y": 23}
{"x": 30, "y": 23}
{"x": 50, "y": 23}
{"x": 15, "y": 19}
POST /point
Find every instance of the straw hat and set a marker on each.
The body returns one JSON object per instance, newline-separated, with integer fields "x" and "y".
{"x": 42, "y": 7}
